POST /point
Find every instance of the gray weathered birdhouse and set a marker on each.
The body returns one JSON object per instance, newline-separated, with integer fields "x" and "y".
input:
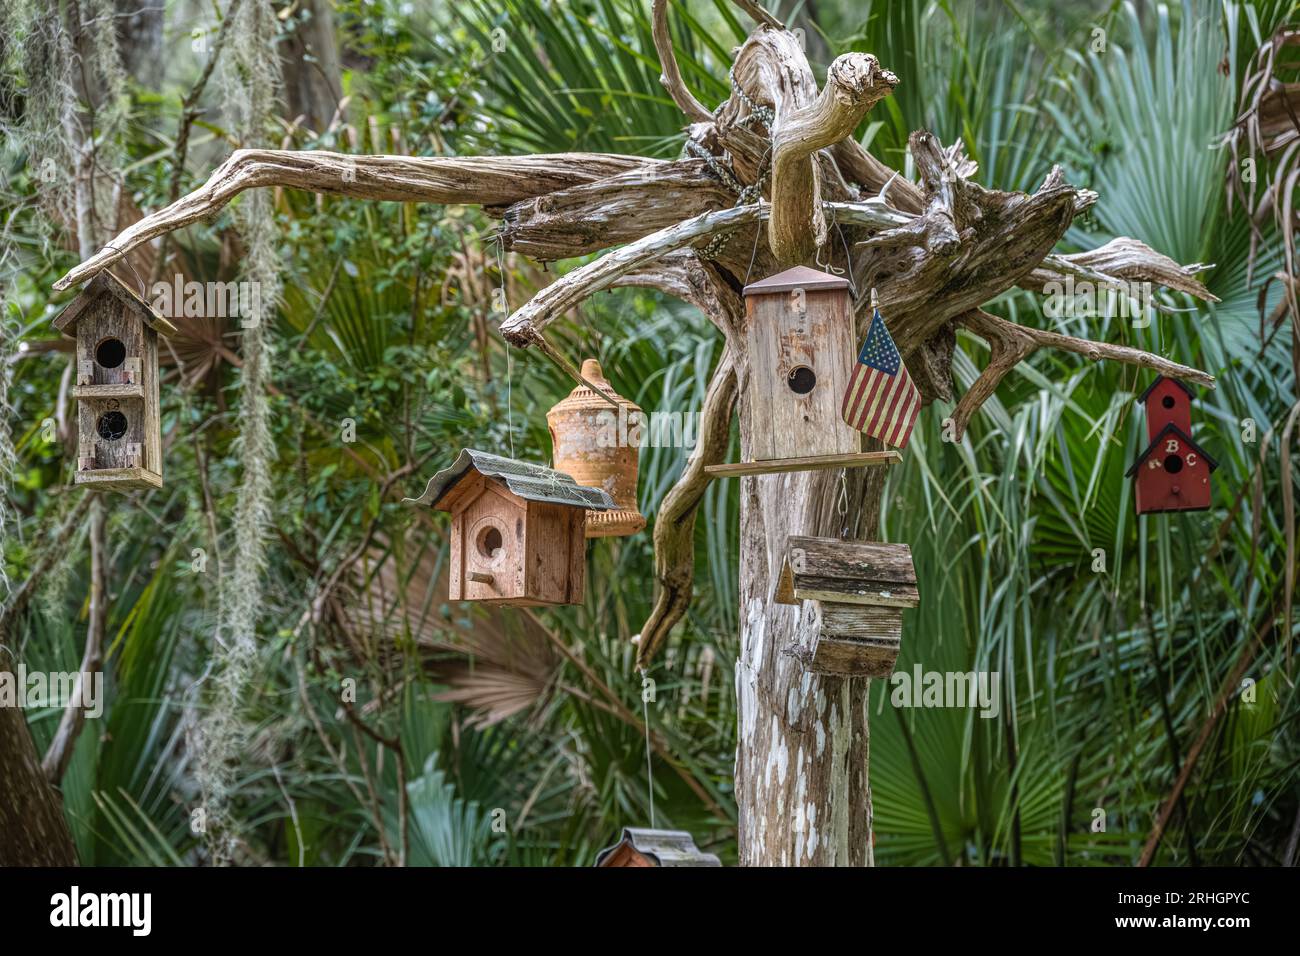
{"x": 861, "y": 589}
{"x": 639, "y": 847}
{"x": 799, "y": 332}
{"x": 517, "y": 530}
{"x": 119, "y": 433}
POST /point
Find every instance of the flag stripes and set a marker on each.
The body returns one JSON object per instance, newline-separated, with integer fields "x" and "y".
{"x": 881, "y": 398}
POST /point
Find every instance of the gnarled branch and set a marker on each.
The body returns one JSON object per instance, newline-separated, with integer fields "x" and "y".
{"x": 483, "y": 180}
{"x": 671, "y": 77}
{"x": 1010, "y": 344}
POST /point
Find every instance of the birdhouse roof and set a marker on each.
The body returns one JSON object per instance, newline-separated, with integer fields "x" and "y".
{"x": 800, "y": 277}
{"x": 527, "y": 481}
{"x": 1142, "y": 399}
{"x": 847, "y": 572}
{"x": 665, "y": 847}
{"x": 108, "y": 284}
{"x": 1160, "y": 436}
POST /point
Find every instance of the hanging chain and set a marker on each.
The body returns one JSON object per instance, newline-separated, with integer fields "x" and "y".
{"x": 744, "y": 194}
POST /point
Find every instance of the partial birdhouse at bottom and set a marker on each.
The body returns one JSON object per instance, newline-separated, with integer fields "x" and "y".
{"x": 638, "y": 847}
{"x": 861, "y": 589}
{"x": 119, "y": 432}
{"x": 517, "y": 529}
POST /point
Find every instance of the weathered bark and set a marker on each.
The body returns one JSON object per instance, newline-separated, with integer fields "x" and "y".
{"x": 33, "y": 831}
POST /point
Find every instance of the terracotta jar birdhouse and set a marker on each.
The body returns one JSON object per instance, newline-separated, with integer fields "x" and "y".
{"x": 589, "y": 440}
{"x": 640, "y": 847}
{"x": 799, "y": 330}
{"x": 119, "y": 435}
{"x": 860, "y": 589}
{"x": 516, "y": 529}
{"x": 1172, "y": 473}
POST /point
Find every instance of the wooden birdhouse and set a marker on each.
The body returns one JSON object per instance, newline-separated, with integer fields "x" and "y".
{"x": 655, "y": 848}
{"x": 860, "y": 589}
{"x": 590, "y": 441}
{"x": 1172, "y": 473}
{"x": 799, "y": 332}
{"x": 119, "y": 434}
{"x": 517, "y": 530}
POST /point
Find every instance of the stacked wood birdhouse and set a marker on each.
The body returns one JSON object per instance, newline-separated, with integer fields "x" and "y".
{"x": 590, "y": 441}
{"x": 119, "y": 435}
{"x": 638, "y": 847}
{"x": 799, "y": 331}
{"x": 517, "y": 530}
{"x": 860, "y": 589}
{"x": 1172, "y": 473}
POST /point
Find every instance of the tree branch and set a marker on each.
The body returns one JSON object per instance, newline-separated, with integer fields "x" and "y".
{"x": 671, "y": 77}
{"x": 674, "y": 530}
{"x": 481, "y": 180}
{"x": 1010, "y": 344}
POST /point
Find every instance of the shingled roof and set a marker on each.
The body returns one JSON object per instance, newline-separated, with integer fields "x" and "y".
{"x": 108, "y": 284}
{"x": 527, "y": 481}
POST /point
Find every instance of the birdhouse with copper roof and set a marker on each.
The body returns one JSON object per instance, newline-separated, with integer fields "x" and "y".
{"x": 119, "y": 433}
{"x": 517, "y": 529}
{"x": 641, "y": 847}
{"x": 799, "y": 332}
{"x": 1172, "y": 472}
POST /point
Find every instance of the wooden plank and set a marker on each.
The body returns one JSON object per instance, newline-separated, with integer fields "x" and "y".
{"x": 861, "y": 459}
{"x": 852, "y": 658}
{"x": 849, "y": 572}
{"x": 850, "y": 560}
{"x": 119, "y": 479}
{"x": 123, "y": 390}
{"x": 862, "y": 622}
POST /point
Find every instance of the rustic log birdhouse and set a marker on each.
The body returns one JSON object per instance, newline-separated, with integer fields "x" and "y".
{"x": 655, "y": 848}
{"x": 799, "y": 331}
{"x": 1172, "y": 473}
{"x": 516, "y": 529}
{"x": 861, "y": 589}
{"x": 589, "y": 440}
{"x": 119, "y": 436}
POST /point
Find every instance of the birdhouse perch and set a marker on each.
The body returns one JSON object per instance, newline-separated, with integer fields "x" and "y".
{"x": 860, "y": 589}
{"x": 119, "y": 435}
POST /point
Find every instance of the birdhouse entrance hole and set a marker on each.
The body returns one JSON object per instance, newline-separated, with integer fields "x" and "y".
{"x": 110, "y": 353}
{"x": 802, "y": 380}
{"x": 1173, "y": 464}
{"x": 111, "y": 426}
{"x": 490, "y": 542}
{"x": 1167, "y": 401}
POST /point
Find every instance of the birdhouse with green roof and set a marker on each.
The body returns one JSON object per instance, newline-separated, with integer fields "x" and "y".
{"x": 518, "y": 530}
{"x": 119, "y": 432}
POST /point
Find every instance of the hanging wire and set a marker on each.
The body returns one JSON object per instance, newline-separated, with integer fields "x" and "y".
{"x": 499, "y": 243}
{"x": 649, "y": 771}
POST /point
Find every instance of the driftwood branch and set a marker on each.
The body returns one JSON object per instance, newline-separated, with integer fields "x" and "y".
{"x": 671, "y": 77}
{"x": 526, "y": 323}
{"x": 1010, "y": 344}
{"x": 481, "y": 180}
{"x": 674, "y": 531}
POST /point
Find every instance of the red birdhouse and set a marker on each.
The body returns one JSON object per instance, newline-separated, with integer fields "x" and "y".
{"x": 1173, "y": 472}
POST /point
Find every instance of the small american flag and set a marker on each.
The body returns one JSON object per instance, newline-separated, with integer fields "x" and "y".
{"x": 881, "y": 399}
